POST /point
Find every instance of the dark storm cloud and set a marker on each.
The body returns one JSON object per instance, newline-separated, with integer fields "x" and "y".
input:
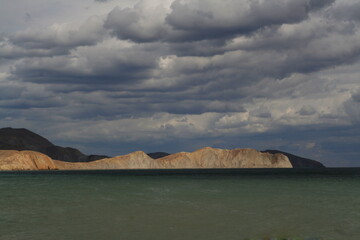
{"x": 348, "y": 11}
{"x": 193, "y": 106}
{"x": 10, "y": 92}
{"x": 130, "y": 23}
{"x": 307, "y": 110}
{"x": 30, "y": 104}
{"x": 199, "y": 20}
{"x": 223, "y": 64}
{"x": 102, "y": 65}
{"x": 204, "y": 20}
{"x": 27, "y": 96}
{"x": 352, "y": 107}
{"x": 207, "y": 47}
{"x": 55, "y": 40}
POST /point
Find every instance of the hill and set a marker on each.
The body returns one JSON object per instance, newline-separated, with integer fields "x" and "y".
{"x": 299, "y": 162}
{"x": 25, "y": 160}
{"x": 202, "y": 158}
{"x": 23, "y": 139}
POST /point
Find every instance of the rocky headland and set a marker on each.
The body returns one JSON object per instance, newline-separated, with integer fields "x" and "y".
{"x": 25, "y": 150}
{"x": 202, "y": 158}
{"x": 12, "y": 160}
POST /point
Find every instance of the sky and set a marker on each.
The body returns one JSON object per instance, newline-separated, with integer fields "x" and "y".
{"x": 116, "y": 76}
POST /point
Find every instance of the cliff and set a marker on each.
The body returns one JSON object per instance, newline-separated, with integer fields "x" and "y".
{"x": 223, "y": 158}
{"x": 23, "y": 139}
{"x": 135, "y": 160}
{"x": 202, "y": 158}
{"x": 25, "y": 160}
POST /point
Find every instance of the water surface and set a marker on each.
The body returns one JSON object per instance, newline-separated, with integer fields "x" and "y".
{"x": 194, "y": 206}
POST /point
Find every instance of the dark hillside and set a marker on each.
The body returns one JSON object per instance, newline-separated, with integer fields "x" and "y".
{"x": 299, "y": 162}
{"x": 23, "y": 139}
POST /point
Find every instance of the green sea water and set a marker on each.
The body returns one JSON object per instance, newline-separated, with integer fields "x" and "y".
{"x": 86, "y": 206}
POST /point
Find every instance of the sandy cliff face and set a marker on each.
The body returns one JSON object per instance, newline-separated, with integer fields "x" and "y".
{"x": 223, "y": 158}
{"x": 202, "y": 158}
{"x": 25, "y": 160}
{"x": 135, "y": 160}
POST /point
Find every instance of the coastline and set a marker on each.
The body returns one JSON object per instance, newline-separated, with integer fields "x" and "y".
{"x": 352, "y": 171}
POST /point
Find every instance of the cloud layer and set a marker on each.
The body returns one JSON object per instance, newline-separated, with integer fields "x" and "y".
{"x": 180, "y": 74}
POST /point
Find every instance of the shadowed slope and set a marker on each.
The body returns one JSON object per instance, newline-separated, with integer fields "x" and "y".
{"x": 298, "y": 162}
{"x": 23, "y": 139}
{"x": 156, "y": 155}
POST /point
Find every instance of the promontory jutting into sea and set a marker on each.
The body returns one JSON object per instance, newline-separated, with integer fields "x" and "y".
{"x": 25, "y": 150}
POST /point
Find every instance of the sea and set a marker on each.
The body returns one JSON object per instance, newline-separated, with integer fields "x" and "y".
{"x": 213, "y": 204}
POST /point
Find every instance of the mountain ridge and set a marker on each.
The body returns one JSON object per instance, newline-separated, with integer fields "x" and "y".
{"x": 23, "y": 139}
{"x": 202, "y": 158}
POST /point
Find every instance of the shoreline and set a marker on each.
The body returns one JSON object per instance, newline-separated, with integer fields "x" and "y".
{"x": 207, "y": 171}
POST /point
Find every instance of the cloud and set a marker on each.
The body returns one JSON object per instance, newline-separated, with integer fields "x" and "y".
{"x": 10, "y": 91}
{"x": 199, "y": 20}
{"x": 142, "y": 23}
{"x": 210, "y": 18}
{"x": 347, "y": 11}
{"x": 107, "y": 62}
{"x": 58, "y": 39}
{"x": 307, "y": 110}
{"x": 352, "y": 106}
